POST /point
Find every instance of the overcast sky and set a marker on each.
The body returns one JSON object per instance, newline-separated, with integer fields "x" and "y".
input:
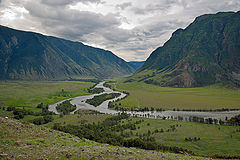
{"x": 131, "y": 29}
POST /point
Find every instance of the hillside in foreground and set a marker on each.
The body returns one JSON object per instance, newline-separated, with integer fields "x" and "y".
{"x": 27, "y": 141}
{"x": 204, "y": 53}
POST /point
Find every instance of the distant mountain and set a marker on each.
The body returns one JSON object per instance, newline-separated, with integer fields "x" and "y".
{"x": 206, "y": 52}
{"x": 33, "y": 56}
{"x": 136, "y": 64}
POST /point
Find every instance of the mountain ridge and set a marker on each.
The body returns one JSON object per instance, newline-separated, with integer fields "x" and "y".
{"x": 28, "y": 55}
{"x": 204, "y": 53}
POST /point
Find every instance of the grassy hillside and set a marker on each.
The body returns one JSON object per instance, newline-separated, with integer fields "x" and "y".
{"x": 214, "y": 139}
{"x": 27, "y": 141}
{"x": 209, "y": 97}
{"x": 29, "y": 94}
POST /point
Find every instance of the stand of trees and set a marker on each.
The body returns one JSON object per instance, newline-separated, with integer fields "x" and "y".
{"x": 46, "y": 115}
{"x": 111, "y": 131}
{"x": 42, "y": 120}
{"x": 107, "y": 85}
{"x": 97, "y": 100}
{"x": 193, "y": 139}
{"x": 95, "y": 90}
{"x": 207, "y": 110}
{"x": 66, "y": 107}
{"x": 234, "y": 120}
{"x": 19, "y": 113}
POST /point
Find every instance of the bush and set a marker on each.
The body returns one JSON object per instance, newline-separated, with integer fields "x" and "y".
{"x": 43, "y": 120}
{"x": 10, "y": 108}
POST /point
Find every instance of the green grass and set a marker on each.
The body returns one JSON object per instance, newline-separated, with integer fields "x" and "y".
{"x": 77, "y": 119}
{"x": 214, "y": 139}
{"x": 30, "y": 93}
{"x": 4, "y": 113}
{"x": 21, "y": 140}
{"x": 210, "y": 97}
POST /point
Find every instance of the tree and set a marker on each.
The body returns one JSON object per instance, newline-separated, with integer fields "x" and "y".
{"x": 221, "y": 122}
{"x": 40, "y": 105}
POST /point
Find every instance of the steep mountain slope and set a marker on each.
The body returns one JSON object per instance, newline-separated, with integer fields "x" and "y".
{"x": 32, "y": 56}
{"x": 206, "y": 52}
{"x": 136, "y": 64}
{"x": 98, "y": 62}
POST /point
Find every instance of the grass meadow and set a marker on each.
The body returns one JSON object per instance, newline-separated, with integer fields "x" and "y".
{"x": 22, "y": 140}
{"x": 29, "y": 94}
{"x": 77, "y": 119}
{"x": 214, "y": 139}
{"x": 209, "y": 97}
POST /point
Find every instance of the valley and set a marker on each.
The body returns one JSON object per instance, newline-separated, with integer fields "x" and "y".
{"x": 168, "y": 133}
{"x": 63, "y": 99}
{"x": 211, "y": 97}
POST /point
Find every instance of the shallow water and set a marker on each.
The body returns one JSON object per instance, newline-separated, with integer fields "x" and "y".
{"x": 80, "y": 102}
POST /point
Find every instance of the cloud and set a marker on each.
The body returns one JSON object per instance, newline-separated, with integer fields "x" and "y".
{"x": 67, "y": 2}
{"x": 71, "y": 24}
{"x": 123, "y": 6}
{"x": 132, "y": 29}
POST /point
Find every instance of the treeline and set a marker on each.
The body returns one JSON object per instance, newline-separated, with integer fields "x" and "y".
{"x": 19, "y": 113}
{"x": 120, "y": 107}
{"x": 107, "y": 132}
{"x": 234, "y": 120}
{"x": 107, "y": 85}
{"x": 192, "y": 139}
{"x": 44, "y": 116}
{"x": 95, "y": 90}
{"x": 197, "y": 119}
{"x": 207, "y": 110}
{"x": 85, "y": 80}
{"x": 92, "y": 86}
{"x": 66, "y": 107}
{"x": 114, "y": 105}
{"x": 87, "y": 112}
{"x": 42, "y": 120}
{"x": 99, "y": 99}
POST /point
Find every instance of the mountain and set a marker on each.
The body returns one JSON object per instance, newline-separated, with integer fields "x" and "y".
{"x": 33, "y": 56}
{"x": 136, "y": 64}
{"x": 204, "y": 53}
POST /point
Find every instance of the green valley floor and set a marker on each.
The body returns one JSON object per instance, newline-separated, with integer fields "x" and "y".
{"x": 22, "y": 140}
{"x": 146, "y": 95}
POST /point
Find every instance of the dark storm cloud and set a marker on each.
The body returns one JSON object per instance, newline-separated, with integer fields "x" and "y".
{"x": 71, "y": 24}
{"x": 131, "y": 29}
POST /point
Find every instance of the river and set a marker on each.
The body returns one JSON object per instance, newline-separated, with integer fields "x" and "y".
{"x": 80, "y": 102}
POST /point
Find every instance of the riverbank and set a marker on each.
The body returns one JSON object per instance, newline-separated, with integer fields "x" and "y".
{"x": 80, "y": 102}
